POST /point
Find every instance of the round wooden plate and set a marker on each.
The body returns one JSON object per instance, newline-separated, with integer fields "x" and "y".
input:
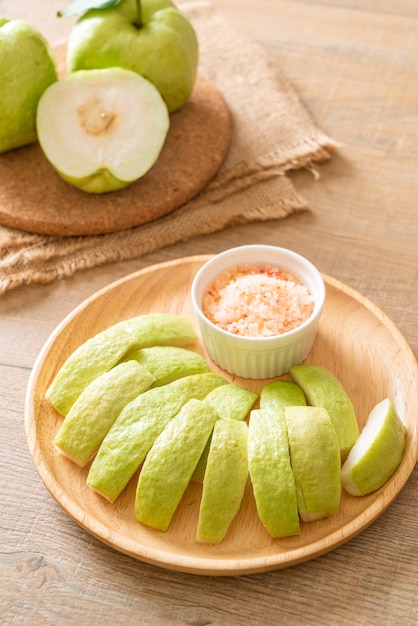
{"x": 34, "y": 198}
{"x": 356, "y": 341}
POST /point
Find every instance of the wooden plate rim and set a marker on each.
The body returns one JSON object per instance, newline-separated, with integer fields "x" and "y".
{"x": 216, "y": 566}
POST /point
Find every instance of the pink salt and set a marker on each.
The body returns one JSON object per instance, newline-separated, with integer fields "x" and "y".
{"x": 257, "y": 301}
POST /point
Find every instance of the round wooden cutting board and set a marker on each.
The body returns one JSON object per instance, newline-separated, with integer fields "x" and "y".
{"x": 34, "y": 198}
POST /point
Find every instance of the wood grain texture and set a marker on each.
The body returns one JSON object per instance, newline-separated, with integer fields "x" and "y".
{"x": 353, "y": 63}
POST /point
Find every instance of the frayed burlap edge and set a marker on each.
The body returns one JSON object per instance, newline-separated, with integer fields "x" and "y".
{"x": 44, "y": 259}
{"x": 246, "y": 189}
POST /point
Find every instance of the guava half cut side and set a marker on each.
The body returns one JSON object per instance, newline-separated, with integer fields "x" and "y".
{"x": 102, "y": 129}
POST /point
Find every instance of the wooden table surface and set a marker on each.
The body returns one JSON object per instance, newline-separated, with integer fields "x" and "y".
{"x": 354, "y": 64}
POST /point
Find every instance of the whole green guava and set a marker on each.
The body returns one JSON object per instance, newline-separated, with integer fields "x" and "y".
{"x": 152, "y": 38}
{"x": 27, "y": 68}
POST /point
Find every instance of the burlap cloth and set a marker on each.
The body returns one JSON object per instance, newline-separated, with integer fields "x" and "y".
{"x": 272, "y": 133}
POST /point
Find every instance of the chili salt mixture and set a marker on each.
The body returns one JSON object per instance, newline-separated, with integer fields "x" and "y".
{"x": 257, "y": 301}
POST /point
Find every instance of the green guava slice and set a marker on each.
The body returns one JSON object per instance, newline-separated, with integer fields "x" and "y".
{"x": 159, "y": 329}
{"x": 91, "y": 359}
{"x": 169, "y": 465}
{"x": 168, "y": 363}
{"x": 271, "y": 472}
{"x": 315, "y": 459}
{"x": 281, "y": 393}
{"x": 98, "y": 406}
{"x": 323, "y": 389}
{"x": 224, "y": 481}
{"x": 377, "y": 453}
{"x": 231, "y": 402}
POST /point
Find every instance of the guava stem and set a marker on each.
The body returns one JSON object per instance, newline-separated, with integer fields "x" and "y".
{"x": 138, "y": 21}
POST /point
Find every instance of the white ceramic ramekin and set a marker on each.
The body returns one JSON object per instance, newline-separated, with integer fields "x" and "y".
{"x": 264, "y": 357}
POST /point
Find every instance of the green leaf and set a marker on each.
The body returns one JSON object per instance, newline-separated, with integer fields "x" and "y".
{"x": 81, "y": 6}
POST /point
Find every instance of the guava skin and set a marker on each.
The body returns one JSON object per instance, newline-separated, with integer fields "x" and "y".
{"x": 27, "y": 68}
{"x": 102, "y": 181}
{"x": 163, "y": 50}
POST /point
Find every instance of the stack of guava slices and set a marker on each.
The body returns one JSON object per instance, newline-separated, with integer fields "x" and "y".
{"x": 136, "y": 400}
